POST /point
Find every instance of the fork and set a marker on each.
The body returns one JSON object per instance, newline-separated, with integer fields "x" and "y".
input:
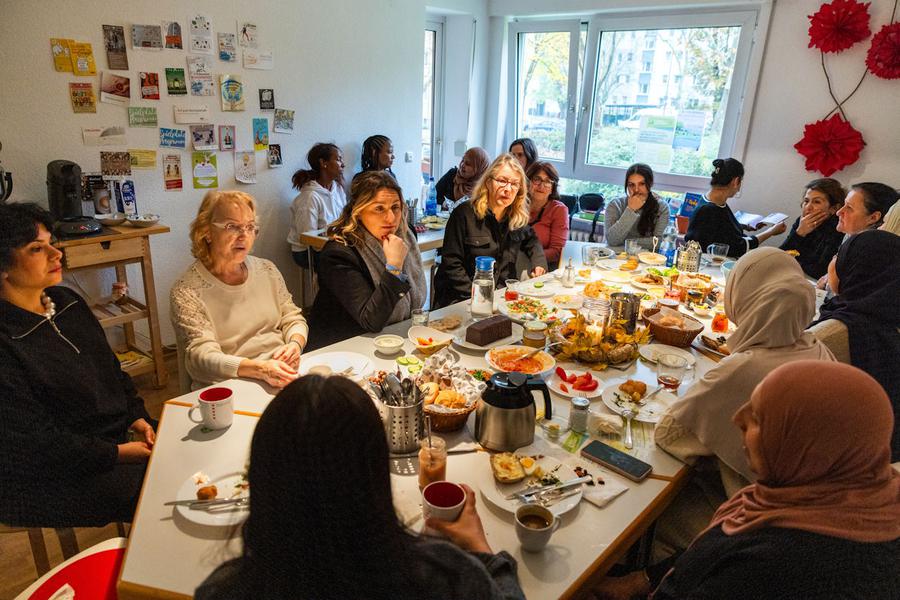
{"x": 549, "y": 499}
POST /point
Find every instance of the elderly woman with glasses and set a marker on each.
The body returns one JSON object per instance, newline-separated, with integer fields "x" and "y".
{"x": 549, "y": 217}
{"x": 494, "y": 222}
{"x": 231, "y": 311}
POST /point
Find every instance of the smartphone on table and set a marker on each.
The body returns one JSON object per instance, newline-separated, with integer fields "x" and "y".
{"x": 616, "y": 460}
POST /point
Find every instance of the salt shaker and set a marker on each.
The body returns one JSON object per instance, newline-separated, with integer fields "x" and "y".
{"x": 578, "y": 415}
{"x": 568, "y": 278}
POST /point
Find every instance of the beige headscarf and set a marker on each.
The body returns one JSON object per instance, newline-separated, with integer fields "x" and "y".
{"x": 477, "y": 160}
{"x": 892, "y": 220}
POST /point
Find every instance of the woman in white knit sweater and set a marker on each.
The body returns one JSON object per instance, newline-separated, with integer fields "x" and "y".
{"x": 232, "y": 311}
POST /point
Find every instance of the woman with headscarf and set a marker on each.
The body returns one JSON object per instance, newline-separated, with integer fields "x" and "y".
{"x": 860, "y": 323}
{"x": 457, "y": 183}
{"x": 771, "y": 302}
{"x": 822, "y": 520}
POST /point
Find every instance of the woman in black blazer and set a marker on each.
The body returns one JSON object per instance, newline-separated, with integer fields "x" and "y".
{"x": 370, "y": 270}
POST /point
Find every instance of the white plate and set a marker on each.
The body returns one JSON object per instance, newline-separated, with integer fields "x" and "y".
{"x": 542, "y": 374}
{"x": 578, "y": 278}
{"x": 554, "y": 381}
{"x": 527, "y": 288}
{"x": 574, "y": 303}
{"x": 610, "y": 263}
{"x": 617, "y": 276}
{"x": 421, "y": 331}
{"x": 517, "y": 330}
{"x": 650, "y": 351}
{"x": 503, "y": 307}
{"x": 642, "y": 286}
{"x": 648, "y": 413}
{"x": 496, "y": 492}
{"x": 337, "y": 362}
{"x": 217, "y": 517}
{"x": 652, "y": 258}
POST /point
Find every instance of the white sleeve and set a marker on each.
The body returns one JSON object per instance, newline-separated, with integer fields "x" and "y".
{"x": 204, "y": 358}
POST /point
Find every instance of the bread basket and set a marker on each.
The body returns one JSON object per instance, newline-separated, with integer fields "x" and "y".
{"x": 680, "y": 337}
{"x": 444, "y": 421}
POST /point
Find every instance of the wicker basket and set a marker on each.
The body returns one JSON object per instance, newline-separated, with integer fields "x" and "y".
{"x": 443, "y": 421}
{"x": 674, "y": 336}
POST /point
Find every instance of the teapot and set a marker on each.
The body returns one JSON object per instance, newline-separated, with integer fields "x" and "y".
{"x": 504, "y": 418}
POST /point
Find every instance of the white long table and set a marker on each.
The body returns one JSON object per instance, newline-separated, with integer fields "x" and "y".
{"x": 168, "y": 557}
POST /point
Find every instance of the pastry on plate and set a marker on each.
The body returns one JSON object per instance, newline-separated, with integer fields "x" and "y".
{"x": 507, "y": 468}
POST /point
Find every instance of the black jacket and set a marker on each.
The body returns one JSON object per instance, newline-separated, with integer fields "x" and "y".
{"x": 444, "y": 186}
{"x": 817, "y": 248}
{"x": 467, "y": 237}
{"x": 65, "y": 403}
{"x": 348, "y": 303}
{"x": 713, "y": 224}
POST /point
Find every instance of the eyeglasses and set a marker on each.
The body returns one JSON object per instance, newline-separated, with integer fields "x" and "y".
{"x": 506, "y": 182}
{"x": 237, "y": 229}
{"x": 537, "y": 181}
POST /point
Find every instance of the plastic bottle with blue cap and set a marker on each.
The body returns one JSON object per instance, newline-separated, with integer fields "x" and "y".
{"x": 483, "y": 287}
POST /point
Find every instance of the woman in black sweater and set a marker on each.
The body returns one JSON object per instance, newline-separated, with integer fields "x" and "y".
{"x": 814, "y": 235}
{"x": 67, "y": 407}
{"x": 370, "y": 270}
{"x": 714, "y": 223}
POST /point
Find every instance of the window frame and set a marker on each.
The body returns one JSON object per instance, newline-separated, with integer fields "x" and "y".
{"x": 436, "y": 25}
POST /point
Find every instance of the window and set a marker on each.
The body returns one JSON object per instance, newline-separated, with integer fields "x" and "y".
{"x": 682, "y": 111}
{"x": 431, "y": 97}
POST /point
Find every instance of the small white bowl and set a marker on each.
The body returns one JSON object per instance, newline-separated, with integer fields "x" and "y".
{"x": 116, "y": 218}
{"x": 388, "y": 343}
{"x": 146, "y": 220}
{"x": 702, "y": 310}
{"x": 439, "y": 339}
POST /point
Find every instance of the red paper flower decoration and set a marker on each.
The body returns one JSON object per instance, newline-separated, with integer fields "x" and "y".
{"x": 838, "y": 25}
{"x": 883, "y": 58}
{"x": 830, "y": 145}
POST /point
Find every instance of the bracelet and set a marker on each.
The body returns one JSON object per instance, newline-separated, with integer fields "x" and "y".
{"x": 392, "y": 268}
{"x": 296, "y": 342}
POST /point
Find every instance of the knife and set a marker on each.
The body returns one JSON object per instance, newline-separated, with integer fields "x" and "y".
{"x": 206, "y": 503}
{"x": 545, "y": 488}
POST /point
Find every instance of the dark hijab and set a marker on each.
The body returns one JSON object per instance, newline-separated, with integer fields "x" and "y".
{"x": 868, "y": 303}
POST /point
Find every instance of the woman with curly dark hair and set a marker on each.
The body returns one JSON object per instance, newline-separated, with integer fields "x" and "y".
{"x": 640, "y": 214}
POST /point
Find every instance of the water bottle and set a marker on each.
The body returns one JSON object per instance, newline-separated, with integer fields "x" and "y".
{"x": 483, "y": 287}
{"x": 431, "y": 203}
{"x": 669, "y": 243}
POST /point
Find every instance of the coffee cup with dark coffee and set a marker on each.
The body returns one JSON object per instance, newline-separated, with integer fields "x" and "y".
{"x": 534, "y": 526}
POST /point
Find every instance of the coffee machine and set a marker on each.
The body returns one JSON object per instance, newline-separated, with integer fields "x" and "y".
{"x": 64, "y": 198}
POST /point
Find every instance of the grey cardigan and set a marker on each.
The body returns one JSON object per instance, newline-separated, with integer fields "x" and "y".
{"x": 620, "y": 222}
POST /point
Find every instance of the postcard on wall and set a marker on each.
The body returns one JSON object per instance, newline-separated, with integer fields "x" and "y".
{"x": 258, "y": 59}
{"x": 172, "y": 138}
{"x": 175, "y": 83}
{"x": 146, "y": 37}
{"x": 142, "y": 116}
{"x": 82, "y": 96}
{"x": 232, "y": 92}
{"x": 226, "y": 137}
{"x": 204, "y": 170}
{"x": 274, "y": 156}
{"x": 103, "y": 136}
{"x": 201, "y": 76}
{"x": 115, "y": 164}
{"x": 149, "y": 85}
{"x": 172, "y": 172}
{"x": 201, "y": 35}
{"x": 82, "y": 55}
{"x": 266, "y": 99}
{"x": 245, "y": 167}
{"x": 91, "y": 184}
{"x": 114, "y": 89}
{"x": 247, "y": 34}
{"x": 114, "y": 42}
{"x": 284, "y": 121}
{"x": 172, "y": 34}
{"x": 227, "y": 49}
{"x": 62, "y": 58}
{"x": 260, "y": 134}
{"x": 203, "y": 137}
{"x": 191, "y": 114}
{"x": 142, "y": 159}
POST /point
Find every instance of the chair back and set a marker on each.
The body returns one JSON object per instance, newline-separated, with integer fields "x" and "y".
{"x": 591, "y": 202}
{"x": 184, "y": 378}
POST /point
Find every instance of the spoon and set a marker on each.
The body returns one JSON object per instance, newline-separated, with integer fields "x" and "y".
{"x": 628, "y": 415}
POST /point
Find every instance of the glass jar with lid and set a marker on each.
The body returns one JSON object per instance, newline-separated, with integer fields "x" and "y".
{"x": 535, "y": 335}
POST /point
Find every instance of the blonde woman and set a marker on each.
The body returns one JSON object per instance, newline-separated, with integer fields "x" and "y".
{"x": 370, "y": 270}
{"x": 231, "y": 310}
{"x": 494, "y": 222}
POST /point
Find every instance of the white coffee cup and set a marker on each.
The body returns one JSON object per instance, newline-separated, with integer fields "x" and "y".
{"x": 216, "y": 406}
{"x": 443, "y": 500}
{"x": 534, "y": 526}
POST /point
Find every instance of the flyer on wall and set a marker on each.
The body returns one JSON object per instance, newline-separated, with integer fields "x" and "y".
{"x": 274, "y": 156}
{"x": 103, "y": 136}
{"x": 266, "y": 99}
{"x": 260, "y": 133}
{"x": 226, "y": 137}
{"x": 115, "y": 164}
{"x": 82, "y": 96}
{"x": 142, "y": 116}
{"x": 82, "y": 55}
{"x": 201, "y": 35}
{"x": 175, "y": 83}
{"x": 203, "y": 137}
{"x": 232, "y": 92}
{"x": 114, "y": 89}
{"x": 146, "y": 37}
{"x": 283, "y": 121}
{"x": 259, "y": 59}
{"x": 191, "y": 114}
{"x": 203, "y": 169}
{"x": 62, "y": 58}
{"x": 245, "y": 167}
{"x": 247, "y": 34}
{"x": 227, "y": 49}
{"x": 172, "y": 172}
{"x": 172, "y": 31}
{"x": 201, "y": 76}
{"x": 172, "y": 138}
{"x": 142, "y": 159}
{"x": 149, "y": 85}
{"x": 114, "y": 41}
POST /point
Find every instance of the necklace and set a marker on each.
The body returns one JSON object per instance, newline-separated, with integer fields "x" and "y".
{"x": 49, "y": 306}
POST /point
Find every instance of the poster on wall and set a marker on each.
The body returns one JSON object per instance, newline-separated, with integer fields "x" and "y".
{"x": 149, "y": 85}
{"x": 82, "y": 96}
{"x": 204, "y": 170}
{"x": 259, "y": 59}
{"x": 283, "y": 121}
{"x": 142, "y": 159}
{"x": 114, "y": 89}
{"x": 172, "y": 32}
{"x": 266, "y": 99}
{"x": 62, "y": 58}
{"x": 172, "y": 172}
{"x": 274, "y": 156}
{"x": 227, "y": 48}
{"x": 260, "y": 134}
{"x": 103, "y": 136}
{"x": 82, "y": 55}
{"x": 201, "y": 35}
{"x": 142, "y": 116}
{"x": 245, "y": 167}
{"x": 247, "y": 34}
{"x": 226, "y": 137}
{"x": 114, "y": 41}
{"x": 201, "y": 76}
{"x": 191, "y": 114}
{"x": 115, "y": 164}
{"x": 203, "y": 137}
{"x": 232, "y": 92}
{"x": 175, "y": 84}
{"x": 146, "y": 37}
{"x": 172, "y": 138}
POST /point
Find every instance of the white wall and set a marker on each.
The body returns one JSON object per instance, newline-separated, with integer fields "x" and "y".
{"x": 348, "y": 68}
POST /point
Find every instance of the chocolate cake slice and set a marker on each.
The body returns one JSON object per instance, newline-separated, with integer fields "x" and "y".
{"x": 482, "y": 333}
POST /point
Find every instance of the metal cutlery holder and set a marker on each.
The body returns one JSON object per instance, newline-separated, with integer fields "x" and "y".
{"x": 403, "y": 427}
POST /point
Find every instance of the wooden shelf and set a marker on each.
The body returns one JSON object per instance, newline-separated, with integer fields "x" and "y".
{"x": 113, "y": 314}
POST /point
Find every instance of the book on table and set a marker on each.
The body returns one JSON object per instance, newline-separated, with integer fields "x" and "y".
{"x": 753, "y": 221}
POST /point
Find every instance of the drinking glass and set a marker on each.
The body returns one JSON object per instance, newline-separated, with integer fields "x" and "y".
{"x": 432, "y": 461}
{"x": 670, "y": 370}
{"x": 633, "y": 247}
{"x": 589, "y": 255}
{"x": 718, "y": 253}
{"x": 419, "y": 316}
{"x": 512, "y": 290}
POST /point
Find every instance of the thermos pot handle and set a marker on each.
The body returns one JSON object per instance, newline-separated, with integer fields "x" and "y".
{"x": 541, "y": 385}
